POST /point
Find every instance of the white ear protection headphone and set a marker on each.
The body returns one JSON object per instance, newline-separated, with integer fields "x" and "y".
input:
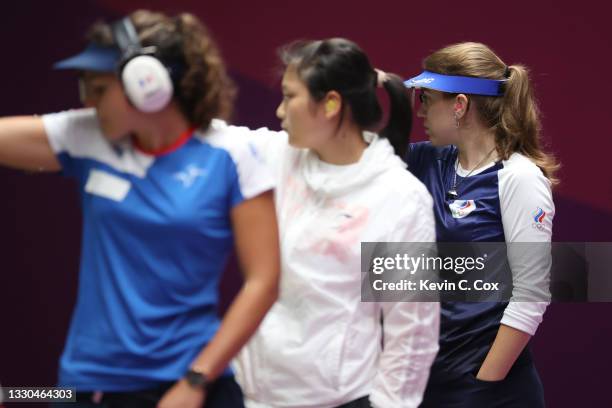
{"x": 146, "y": 81}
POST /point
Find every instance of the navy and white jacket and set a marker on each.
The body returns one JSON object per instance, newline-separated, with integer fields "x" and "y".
{"x": 504, "y": 201}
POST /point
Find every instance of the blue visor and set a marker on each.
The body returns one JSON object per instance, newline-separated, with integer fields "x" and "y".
{"x": 93, "y": 58}
{"x": 456, "y": 84}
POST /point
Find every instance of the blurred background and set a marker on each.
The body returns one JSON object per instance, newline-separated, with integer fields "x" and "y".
{"x": 565, "y": 44}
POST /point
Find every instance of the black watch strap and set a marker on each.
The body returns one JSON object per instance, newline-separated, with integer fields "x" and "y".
{"x": 197, "y": 379}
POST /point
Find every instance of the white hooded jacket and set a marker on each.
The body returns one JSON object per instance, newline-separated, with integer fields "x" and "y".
{"x": 320, "y": 346}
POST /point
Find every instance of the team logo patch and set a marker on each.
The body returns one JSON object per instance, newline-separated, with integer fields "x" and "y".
{"x": 462, "y": 208}
{"x": 146, "y": 81}
{"x": 188, "y": 176}
{"x": 538, "y": 219}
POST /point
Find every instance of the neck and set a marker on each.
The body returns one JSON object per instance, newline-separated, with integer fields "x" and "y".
{"x": 345, "y": 147}
{"x": 163, "y": 130}
{"x": 474, "y": 146}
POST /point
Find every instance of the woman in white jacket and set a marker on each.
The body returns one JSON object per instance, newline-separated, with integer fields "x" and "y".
{"x": 339, "y": 185}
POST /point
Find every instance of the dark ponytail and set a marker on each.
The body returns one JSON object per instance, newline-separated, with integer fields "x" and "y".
{"x": 399, "y": 124}
{"x": 339, "y": 65}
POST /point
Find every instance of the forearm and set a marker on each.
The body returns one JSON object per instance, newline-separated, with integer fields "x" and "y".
{"x": 508, "y": 345}
{"x": 530, "y": 267}
{"x": 529, "y": 257}
{"x": 256, "y": 241}
{"x": 24, "y": 144}
{"x": 240, "y": 322}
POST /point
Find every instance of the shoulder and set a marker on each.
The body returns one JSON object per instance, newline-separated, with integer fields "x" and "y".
{"x": 84, "y": 117}
{"x": 421, "y": 154}
{"x": 523, "y": 186}
{"x": 222, "y": 135}
{"x": 83, "y": 122}
{"x": 77, "y": 133}
{"x": 406, "y": 190}
{"x": 232, "y": 139}
{"x": 405, "y": 211}
{"x": 520, "y": 171}
{"x": 428, "y": 149}
{"x": 238, "y": 141}
{"x": 526, "y": 201}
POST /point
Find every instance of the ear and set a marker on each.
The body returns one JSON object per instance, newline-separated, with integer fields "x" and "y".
{"x": 460, "y": 106}
{"x": 332, "y": 104}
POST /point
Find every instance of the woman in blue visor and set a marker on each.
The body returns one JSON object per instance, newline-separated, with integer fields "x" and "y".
{"x": 491, "y": 182}
{"x": 167, "y": 189}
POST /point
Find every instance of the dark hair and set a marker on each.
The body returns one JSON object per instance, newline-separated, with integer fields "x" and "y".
{"x": 203, "y": 89}
{"x": 340, "y": 65}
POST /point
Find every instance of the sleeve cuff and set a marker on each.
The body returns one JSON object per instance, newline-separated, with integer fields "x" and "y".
{"x": 378, "y": 400}
{"x": 524, "y": 316}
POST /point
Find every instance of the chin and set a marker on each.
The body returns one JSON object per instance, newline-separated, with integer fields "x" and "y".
{"x": 434, "y": 141}
{"x": 294, "y": 142}
{"x": 112, "y": 136}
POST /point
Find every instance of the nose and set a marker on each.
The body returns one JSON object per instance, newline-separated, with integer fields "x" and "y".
{"x": 280, "y": 111}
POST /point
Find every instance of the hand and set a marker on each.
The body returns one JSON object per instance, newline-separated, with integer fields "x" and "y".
{"x": 490, "y": 375}
{"x": 508, "y": 345}
{"x": 182, "y": 395}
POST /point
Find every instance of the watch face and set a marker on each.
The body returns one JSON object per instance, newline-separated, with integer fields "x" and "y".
{"x": 196, "y": 379}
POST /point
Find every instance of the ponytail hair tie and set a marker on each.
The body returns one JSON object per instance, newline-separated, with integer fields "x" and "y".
{"x": 380, "y": 77}
{"x": 507, "y": 72}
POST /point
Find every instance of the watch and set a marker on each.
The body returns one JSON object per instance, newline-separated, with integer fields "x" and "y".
{"x": 197, "y": 379}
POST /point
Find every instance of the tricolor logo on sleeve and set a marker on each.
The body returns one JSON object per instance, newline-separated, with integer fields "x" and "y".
{"x": 538, "y": 219}
{"x": 462, "y": 208}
